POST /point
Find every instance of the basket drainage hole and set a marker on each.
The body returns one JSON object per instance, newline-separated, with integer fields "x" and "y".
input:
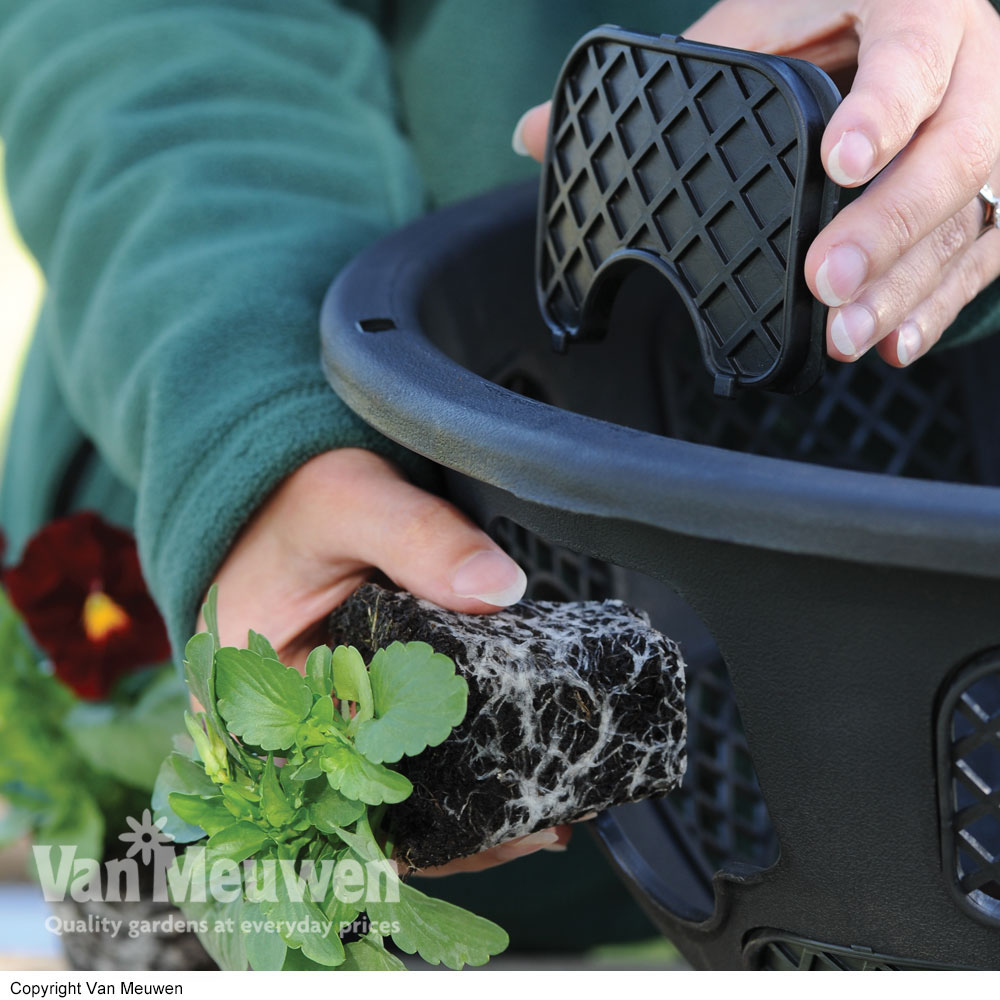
{"x": 378, "y": 325}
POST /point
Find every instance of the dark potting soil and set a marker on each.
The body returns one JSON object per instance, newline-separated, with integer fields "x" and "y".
{"x": 573, "y": 708}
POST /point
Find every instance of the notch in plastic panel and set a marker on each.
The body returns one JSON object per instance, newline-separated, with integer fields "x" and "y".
{"x": 704, "y": 162}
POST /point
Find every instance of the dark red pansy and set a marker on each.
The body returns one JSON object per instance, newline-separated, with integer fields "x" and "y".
{"x": 81, "y": 593}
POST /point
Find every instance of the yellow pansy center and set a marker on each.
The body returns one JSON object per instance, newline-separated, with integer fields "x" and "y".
{"x": 102, "y": 615}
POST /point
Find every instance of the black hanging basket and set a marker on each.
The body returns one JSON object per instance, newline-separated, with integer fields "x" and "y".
{"x": 829, "y": 562}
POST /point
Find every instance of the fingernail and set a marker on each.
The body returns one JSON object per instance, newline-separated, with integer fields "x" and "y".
{"x": 492, "y": 577}
{"x": 841, "y": 274}
{"x": 853, "y": 330}
{"x": 852, "y": 159}
{"x": 517, "y": 140}
{"x": 556, "y": 848}
{"x": 909, "y": 340}
{"x": 534, "y": 841}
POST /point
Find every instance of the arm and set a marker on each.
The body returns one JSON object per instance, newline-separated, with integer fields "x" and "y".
{"x": 190, "y": 176}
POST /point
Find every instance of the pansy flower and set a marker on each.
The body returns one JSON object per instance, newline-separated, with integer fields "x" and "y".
{"x": 80, "y": 591}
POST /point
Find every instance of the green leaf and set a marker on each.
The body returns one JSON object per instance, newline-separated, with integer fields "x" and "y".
{"x": 256, "y": 643}
{"x": 307, "y": 770}
{"x": 238, "y": 804}
{"x": 331, "y": 809}
{"x": 247, "y": 783}
{"x": 365, "y": 848}
{"x": 369, "y": 955}
{"x": 209, "y": 815}
{"x": 439, "y": 931}
{"x": 209, "y": 746}
{"x": 290, "y": 848}
{"x": 226, "y": 947}
{"x": 210, "y": 612}
{"x": 326, "y": 948}
{"x": 322, "y": 711}
{"x": 180, "y": 774}
{"x": 301, "y": 925}
{"x": 318, "y": 671}
{"x": 274, "y": 804}
{"x": 199, "y": 656}
{"x": 350, "y": 680}
{"x": 360, "y": 779}
{"x": 419, "y": 699}
{"x": 189, "y": 776}
{"x": 200, "y": 673}
{"x": 261, "y": 700}
{"x": 265, "y": 950}
{"x": 363, "y": 843}
{"x": 295, "y": 961}
{"x": 239, "y": 841}
{"x": 341, "y": 912}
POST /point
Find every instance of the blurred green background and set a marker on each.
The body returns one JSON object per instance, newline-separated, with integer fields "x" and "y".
{"x": 20, "y": 294}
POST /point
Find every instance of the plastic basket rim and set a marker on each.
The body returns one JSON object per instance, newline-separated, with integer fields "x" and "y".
{"x": 402, "y": 385}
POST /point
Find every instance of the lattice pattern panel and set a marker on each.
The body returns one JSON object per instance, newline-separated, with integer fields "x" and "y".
{"x": 697, "y": 162}
{"x": 554, "y": 573}
{"x": 864, "y": 416}
{"x": 719, "y": 801}
{"x": 975, "y": 791}
{"x": 778, "y": 954}
{"x": 719, "y": 804}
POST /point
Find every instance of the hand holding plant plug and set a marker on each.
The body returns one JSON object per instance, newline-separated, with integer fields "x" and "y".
{"x": 323, "y": 532}
{"x": 321, "y": 812}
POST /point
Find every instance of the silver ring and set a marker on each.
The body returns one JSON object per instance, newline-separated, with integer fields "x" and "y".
{"x": 991, "y": 210}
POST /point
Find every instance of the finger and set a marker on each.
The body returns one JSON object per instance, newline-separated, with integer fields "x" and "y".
{"x": 427, "y": 546}
{"x": 967, "y": 277}
{"x": 936, "y": 177}
{"x": 531, "y": 131}
{"x": 789, "y": 27}
{"x": 884, "y": 304}
{"x": 905, "y": 62}
{"x": 555, "y": 838}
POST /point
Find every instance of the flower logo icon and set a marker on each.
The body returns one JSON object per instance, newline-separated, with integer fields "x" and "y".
{"x": 146, "y": 837}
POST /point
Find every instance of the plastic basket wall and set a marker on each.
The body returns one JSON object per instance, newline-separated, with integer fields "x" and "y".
{"x": 719, "y": 805}
{"x": 883, "y": 863}
{"x": 866, "y": 417}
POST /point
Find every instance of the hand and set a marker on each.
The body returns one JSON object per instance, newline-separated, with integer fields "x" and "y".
{"x": 321, "y": 534}
{"x": 922, "y": 117}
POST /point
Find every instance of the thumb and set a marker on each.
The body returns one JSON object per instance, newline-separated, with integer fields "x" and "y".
{"x": 428, "y": 547}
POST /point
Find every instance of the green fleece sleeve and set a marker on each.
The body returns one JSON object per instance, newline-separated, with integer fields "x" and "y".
{"x": 190, "y": 175}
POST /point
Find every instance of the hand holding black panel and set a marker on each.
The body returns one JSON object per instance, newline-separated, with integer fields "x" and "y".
{"x": 703, "y": 162}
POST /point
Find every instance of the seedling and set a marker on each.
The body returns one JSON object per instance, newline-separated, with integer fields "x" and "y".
{"x": 285, "y": 783}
